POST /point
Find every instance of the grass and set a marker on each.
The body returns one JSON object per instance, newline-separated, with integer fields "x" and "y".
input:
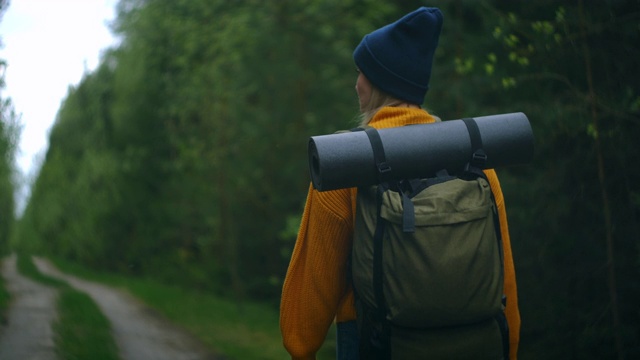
{"x": 27, "y": 268}
{"x": 81, "y": 330}
{"x": 239, "y": 330}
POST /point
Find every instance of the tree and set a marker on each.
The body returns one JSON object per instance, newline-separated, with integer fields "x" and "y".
{"x": 9, "y": 137}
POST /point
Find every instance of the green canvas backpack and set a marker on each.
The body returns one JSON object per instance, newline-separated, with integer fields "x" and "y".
{"x": 427, "y": 265}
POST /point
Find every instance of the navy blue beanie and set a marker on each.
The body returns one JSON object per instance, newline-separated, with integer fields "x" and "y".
{"x": 397, "y": 58}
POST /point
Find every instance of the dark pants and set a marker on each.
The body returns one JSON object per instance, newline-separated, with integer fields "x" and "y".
{"x": 347, "y": 341}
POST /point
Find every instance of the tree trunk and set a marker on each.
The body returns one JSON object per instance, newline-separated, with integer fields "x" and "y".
{"x": 606, "y": 208}
{"x": 226, "y": 233}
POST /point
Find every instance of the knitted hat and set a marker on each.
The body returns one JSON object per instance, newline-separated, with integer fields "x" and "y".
{"x": 397, "y": 58}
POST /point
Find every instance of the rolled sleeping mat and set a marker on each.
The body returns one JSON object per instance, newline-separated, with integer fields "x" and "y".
{"x": 344, "y": 160}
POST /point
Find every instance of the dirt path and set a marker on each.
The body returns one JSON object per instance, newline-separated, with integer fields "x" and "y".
{"x": 139, "y": 332}
{"x": 28, "y": 333}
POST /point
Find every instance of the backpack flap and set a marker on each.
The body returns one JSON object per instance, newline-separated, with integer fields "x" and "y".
{"x": 448, "y": 271}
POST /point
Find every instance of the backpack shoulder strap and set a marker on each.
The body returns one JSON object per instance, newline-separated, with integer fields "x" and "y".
{"x": 474, "y": 169}
{"x": 380, "y": 338}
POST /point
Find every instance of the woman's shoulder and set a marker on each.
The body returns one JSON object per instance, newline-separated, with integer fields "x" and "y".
{"x": 339, "y": 202}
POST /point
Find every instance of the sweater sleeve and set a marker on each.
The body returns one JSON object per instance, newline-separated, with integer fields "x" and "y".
{"x": 510, "y": 289}
{"x": 316, "y": 279}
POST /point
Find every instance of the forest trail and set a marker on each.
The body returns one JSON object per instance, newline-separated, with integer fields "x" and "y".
{"x": 28, "y": 333}
{"x": 139, "y": 332}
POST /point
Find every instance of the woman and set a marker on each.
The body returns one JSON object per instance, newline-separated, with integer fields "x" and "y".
{"x": 394, "y": 65}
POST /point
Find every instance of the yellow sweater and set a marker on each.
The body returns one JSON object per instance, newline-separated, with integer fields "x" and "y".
{"x": 317, "y": 290}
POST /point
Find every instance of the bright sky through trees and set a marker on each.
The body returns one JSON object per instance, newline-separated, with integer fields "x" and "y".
{"x": 48, "y": 45}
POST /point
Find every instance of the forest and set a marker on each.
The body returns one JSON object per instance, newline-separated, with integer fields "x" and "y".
{"x": 182, "y": 157}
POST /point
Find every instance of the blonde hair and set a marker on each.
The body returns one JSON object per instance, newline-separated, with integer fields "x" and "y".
{"x": 377, "y": 100}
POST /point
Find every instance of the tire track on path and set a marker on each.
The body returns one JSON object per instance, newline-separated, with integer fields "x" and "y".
{"x": 28, "y": 333}
{"x": 139, "y": 332}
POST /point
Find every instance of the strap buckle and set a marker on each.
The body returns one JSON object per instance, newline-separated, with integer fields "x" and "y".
{"x": 478, "y": 160}
{"x": 384, "y": 168}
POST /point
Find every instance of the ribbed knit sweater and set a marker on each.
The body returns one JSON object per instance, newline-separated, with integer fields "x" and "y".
{"x": 317, "y": 290}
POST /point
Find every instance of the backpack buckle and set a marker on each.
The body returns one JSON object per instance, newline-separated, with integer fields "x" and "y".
{"x": 478, "y": 160}
{"x": 384, "y": 168}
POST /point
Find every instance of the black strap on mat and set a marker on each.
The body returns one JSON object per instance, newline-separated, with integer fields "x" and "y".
{"x": 384, "y": 170}
{"x": 474, "y": 170}
{"x": 479, "y": 158}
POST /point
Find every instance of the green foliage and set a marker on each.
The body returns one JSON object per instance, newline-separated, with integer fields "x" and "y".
{"x": 182, "y": 157}
{"x": 188, "y": 139}
{"x": 9, "y": 137}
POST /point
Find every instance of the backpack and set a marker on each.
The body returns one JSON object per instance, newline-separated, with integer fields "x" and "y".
{"x": 427, "y": 264}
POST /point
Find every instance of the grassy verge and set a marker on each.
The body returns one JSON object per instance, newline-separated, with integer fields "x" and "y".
{"x": 81, "y": 330}
{"x": 246, "y": 330}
